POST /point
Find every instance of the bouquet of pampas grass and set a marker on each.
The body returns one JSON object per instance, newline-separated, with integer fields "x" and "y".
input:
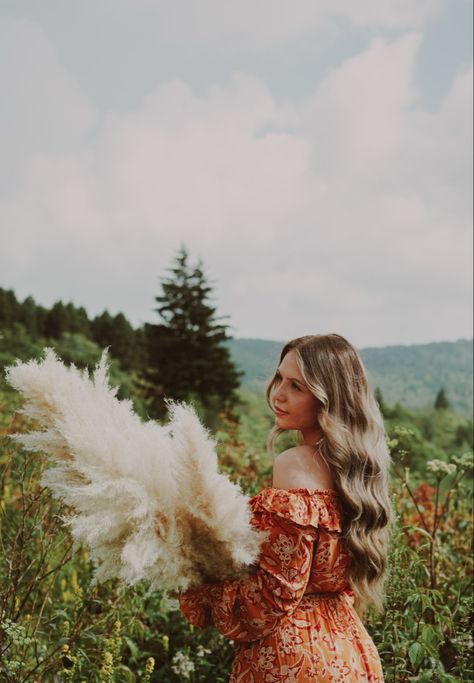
{"x": 148, "y": 501}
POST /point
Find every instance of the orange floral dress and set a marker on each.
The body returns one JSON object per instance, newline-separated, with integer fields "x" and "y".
{"x": 293, "y": 618}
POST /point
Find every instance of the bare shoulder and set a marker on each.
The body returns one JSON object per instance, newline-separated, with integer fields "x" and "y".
{"x": 299, "y": 467}
{"x": 291, "y": 454}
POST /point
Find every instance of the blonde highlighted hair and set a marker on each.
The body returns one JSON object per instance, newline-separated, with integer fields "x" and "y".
{"x": 355, "y": 450}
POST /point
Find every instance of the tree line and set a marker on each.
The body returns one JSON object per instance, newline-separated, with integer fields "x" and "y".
{"x": 182, "y": 356}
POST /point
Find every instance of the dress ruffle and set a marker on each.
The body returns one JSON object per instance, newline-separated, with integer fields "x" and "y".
{"x": 304, "y": 506}
{"x": 294, "y": 618}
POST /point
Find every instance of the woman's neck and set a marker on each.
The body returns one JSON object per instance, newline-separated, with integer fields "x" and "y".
{"x": 311, "y": 436}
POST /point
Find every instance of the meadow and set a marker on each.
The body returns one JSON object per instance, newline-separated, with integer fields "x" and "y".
{"x": 55, "y": 627}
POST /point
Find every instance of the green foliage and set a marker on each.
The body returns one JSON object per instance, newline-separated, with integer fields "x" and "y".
{"x": 408, "y": 376}
{"x": 55, "y": 627}
{"x": 34, "y": 323}
{"x": 186, "y": 358}
{"x": 71, "y": 348}
{"x": 425, "y": 634}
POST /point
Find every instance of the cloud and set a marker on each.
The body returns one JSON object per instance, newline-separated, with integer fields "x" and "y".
{"x": 346, "y": 210}
{"x": 263, "y": 25}
{"x": 42, "y": 107}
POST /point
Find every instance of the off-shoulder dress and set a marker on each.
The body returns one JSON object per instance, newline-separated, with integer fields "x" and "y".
{"x": 293, "y": 619}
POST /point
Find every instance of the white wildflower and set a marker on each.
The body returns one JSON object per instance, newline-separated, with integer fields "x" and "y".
{"x": 464, "y": 461}
{"x": 168, "y": 603}
{"x": 182, "y": 665}
{"x": 441, "y": 467}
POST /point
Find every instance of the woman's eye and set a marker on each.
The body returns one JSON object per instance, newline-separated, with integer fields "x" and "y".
{"x": 296, "y": 386}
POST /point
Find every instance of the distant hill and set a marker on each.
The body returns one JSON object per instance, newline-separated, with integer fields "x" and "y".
{"x": 410, "y": 375}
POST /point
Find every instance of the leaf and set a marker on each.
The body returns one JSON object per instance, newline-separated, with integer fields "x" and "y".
{"x": 431, "y": 637}
{"x": 125, "y": 674}
{"x": 425, "y": 677}
{"x": 416, "y": 652}
{"x": 426, "y": 602}
{"x": 132, "y": 646}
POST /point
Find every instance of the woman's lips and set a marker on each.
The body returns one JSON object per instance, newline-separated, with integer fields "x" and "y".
{"x": 280, "y": 412}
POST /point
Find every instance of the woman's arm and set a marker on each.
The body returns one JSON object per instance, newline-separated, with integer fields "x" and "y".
{"x": 251, "y": 608}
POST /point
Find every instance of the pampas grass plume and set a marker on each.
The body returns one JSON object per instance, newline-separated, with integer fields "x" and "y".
{"x": 148, "y": 501}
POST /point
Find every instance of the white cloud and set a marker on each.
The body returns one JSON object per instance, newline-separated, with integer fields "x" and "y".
{"x": 345, "y": 211}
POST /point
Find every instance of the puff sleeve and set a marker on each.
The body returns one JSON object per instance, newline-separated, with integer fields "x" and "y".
{"x": 249, "y": 609}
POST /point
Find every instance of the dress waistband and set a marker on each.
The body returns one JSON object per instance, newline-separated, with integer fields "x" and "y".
{"x": 346, "y": 594}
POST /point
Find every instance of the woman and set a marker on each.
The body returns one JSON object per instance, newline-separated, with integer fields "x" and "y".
{"x": 298, "y": 617}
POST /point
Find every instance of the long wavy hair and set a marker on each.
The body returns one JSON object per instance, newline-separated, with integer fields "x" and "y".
{"x": 355, "y": 450}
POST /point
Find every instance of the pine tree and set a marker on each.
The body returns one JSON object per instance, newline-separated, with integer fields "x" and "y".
{"x": 27, "y": 316}
{"x": 9, "y": 308}
{"x": 57, "y": 321}
{"x": 441, "y": 402}
{"x": 186, "y": 356}
{"x": 379, "y": 399}
{"x": 126, "y": 344}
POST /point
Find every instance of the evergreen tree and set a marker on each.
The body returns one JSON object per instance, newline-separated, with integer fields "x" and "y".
{"x": 441, "y": 402}
{"x": 186, "y": 358}
{"x": 123, "y": 342}
{"x": 379, "y": 398}
{"x": 9, "y": 308}
{"x": 27, "y": 316}
{"x": 118, "y": 333}
{"x": 57, "y": 321}
{"x": 102, "y": 329}
{"x": 41, "y": 320}
{"x": 78, "y": 320}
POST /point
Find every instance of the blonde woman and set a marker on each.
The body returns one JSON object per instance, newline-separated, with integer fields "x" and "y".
{"x": 298, "y": 616}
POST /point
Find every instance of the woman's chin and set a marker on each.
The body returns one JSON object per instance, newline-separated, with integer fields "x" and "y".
{"x": 282, "y": 421}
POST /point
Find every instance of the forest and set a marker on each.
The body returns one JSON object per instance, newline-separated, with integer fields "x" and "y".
{"x": 55, "y": 627}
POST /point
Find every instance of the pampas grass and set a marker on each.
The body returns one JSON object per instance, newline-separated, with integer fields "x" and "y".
{"x": 147, "y": 500}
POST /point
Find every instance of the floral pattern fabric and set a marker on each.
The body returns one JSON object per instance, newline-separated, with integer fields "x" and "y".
{"x": 292, "y": 619}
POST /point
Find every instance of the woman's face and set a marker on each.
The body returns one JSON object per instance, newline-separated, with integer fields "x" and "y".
{"x": 295, "y": 405}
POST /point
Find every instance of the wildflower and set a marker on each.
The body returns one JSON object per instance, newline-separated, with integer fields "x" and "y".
{"x": 107, "y": 669}
{"x": 149, "y": 666}
{"x": 12, "y": 666}
{"x": 182, "y": 665}
{"x": 166, "y": 642}
{"x": 16, "y": 633}
{"x": 68, "y": 661}
{"x": 74, "y": 583}
{"x": 112, "y": 646}
{"x": 78, "y": 595}
{"x": 464, "y": 461}
{"x": 439, "y": 467}
{"x": 169, "y": 604}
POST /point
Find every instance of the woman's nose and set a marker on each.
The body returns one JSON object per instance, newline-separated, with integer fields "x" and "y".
{"x": 280, "y": 394}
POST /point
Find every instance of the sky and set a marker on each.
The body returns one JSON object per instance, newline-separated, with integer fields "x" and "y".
{"x": 316, "y": 155}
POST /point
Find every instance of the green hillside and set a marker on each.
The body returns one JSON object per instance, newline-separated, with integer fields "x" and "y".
{"x": 410, "y": 375}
